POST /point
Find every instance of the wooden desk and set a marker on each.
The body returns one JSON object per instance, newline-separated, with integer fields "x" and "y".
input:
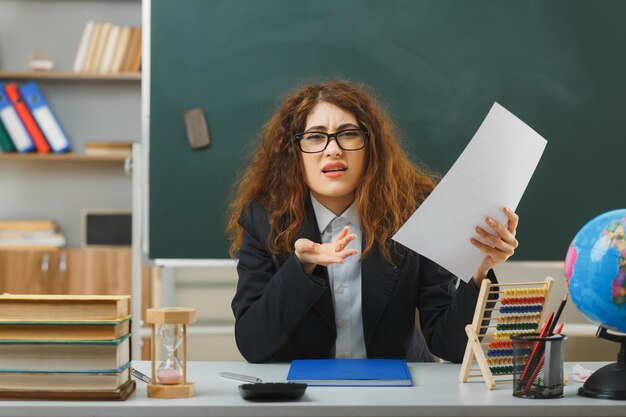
{"x": 436, "y": 393}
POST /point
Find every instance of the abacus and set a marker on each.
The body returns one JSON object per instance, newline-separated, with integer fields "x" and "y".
{"x": 518, "y": 309}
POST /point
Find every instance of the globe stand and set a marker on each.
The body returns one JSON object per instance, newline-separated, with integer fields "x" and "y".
{"x": 608, "y": 382}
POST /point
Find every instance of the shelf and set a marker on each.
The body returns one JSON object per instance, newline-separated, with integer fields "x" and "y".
{"x": 66, "y": 157}
{"x": 57, "y": 75}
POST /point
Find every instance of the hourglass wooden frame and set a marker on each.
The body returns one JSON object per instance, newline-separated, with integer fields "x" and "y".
{"x": 177, "y": 316}
{"x": 520, "y": 308}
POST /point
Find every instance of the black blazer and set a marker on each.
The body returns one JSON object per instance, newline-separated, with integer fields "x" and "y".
{"x": 283, "y": 314}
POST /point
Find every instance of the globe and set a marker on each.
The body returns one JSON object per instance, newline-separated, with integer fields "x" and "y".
{"x": 595, "y": 270}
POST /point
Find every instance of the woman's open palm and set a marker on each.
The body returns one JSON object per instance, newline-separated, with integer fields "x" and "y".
{"x": 311, "y": 254}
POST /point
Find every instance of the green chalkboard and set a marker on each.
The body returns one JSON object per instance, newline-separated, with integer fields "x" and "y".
{"x": 437, "y": 66}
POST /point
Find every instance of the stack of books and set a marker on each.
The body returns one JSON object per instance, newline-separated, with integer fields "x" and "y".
{"x": 65, "y": 347}
{"x": 105, "y": 48}
{"x": 27, "y": 123}
{"x": 30, "y": 234}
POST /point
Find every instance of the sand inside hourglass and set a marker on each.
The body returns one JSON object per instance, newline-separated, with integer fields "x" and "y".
{"x": 169, "y": 372}
{"x": 169, "y": 376}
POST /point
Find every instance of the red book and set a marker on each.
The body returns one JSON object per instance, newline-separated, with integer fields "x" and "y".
{"x": 27, "y": 119}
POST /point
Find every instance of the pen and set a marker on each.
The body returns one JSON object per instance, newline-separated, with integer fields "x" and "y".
{"x": 145, "y": 378}
{"x": 239, "y": 377}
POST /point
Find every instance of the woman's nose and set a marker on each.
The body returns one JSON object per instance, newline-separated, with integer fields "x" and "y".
{"x": 333, "y": 147}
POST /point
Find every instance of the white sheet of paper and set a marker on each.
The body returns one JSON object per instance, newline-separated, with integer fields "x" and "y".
{"x": 491, "y": 173}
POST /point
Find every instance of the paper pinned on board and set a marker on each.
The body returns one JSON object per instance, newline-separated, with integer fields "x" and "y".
{"x": 491, "y": 173}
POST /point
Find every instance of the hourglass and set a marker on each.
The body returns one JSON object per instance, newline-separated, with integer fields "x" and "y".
{"x": 169, "y": 325}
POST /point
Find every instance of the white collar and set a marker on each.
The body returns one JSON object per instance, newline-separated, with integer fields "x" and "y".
{"x": 325, "y": 216}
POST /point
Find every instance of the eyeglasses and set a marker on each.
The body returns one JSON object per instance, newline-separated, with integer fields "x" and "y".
{"x": 348, "y": 140}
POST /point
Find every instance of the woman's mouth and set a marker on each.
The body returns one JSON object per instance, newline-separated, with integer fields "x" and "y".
{"x": 334, "y": 169}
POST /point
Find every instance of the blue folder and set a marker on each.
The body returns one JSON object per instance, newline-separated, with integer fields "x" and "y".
{"x": 46, "y": 120}
{"x": 351, "y": 372}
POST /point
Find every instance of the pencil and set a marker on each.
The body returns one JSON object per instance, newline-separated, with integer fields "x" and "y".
{"x": 535, "y": 354}
{"x": 559, "y": 329}
{"x": 557, "y": 315}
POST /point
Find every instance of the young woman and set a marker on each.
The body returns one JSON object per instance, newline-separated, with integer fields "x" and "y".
{"x": 311, "y": 223}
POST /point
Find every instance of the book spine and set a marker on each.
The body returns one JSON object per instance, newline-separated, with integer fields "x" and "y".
{"x": 28, "y": 225}
{"x": 42, "y": 113}
{"x": 105, "y": 356}
{"x": 83, "y": 46}
{"x": 99, "y": 52}
{"x": 5, "y": 140}
{"x": 34, "y": 307}
{"x": 91, "y": 48}
{"x": 130, "y": 49}
{"x": 27, "y": 119}
{"x": 109, "y": 49}
{"x": 13, "y": 124}
{"x": 33, "y": 240}
{"x": 135, "y": 64}
{"x": 120, "y": 51}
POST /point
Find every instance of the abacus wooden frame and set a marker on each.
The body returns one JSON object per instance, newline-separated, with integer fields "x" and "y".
{"x": 474, "y": 351}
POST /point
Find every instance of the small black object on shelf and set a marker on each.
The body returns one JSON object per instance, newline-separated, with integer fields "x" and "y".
{"x": 608, "y": 382}
{"x": 272, "y": 391}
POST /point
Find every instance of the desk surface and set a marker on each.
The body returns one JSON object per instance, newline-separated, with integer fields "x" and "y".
{"x": 436, "y": 393}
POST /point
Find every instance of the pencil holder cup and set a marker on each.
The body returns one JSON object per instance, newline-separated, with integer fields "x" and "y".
{"x": 538, "y": 365}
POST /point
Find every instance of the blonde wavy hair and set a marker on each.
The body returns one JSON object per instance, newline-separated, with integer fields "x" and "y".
{"x": 391, "y": 189}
